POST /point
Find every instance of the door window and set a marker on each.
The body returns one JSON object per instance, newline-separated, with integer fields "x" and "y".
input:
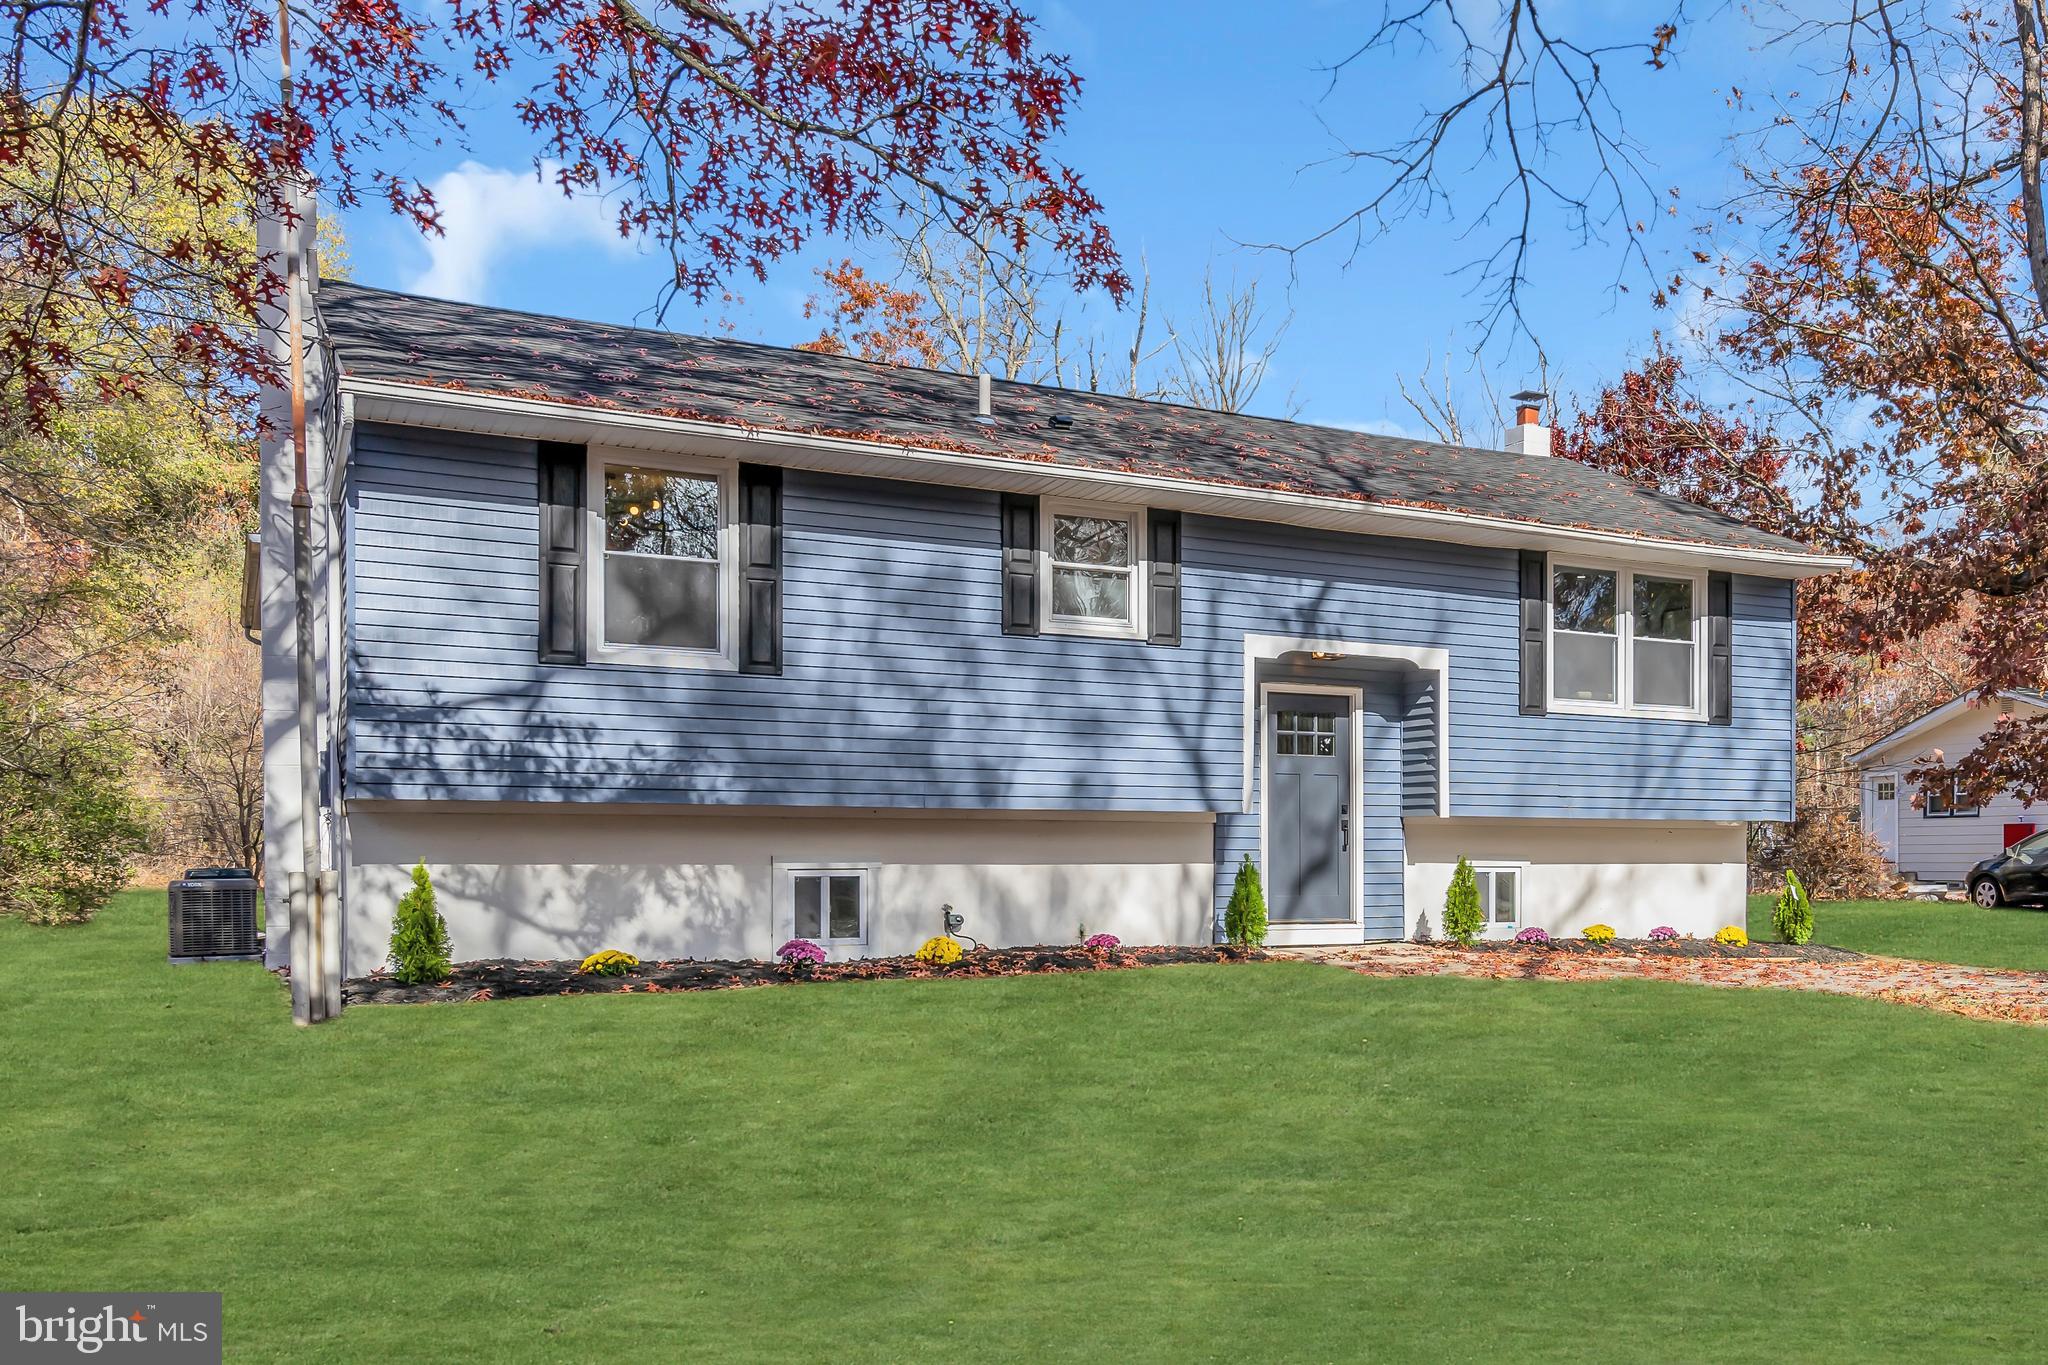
{"x": 1305, "y": 733}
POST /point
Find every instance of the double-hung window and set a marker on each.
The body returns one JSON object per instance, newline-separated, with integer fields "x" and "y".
{"x": 1094, "y": 569}
{"x": 665, "y": 591}
{"x": 1626, "y": 640}
{"x": 1943, "y": 799}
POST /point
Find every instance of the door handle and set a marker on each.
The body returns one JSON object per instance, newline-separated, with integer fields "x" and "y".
{"x": 1344, "y": 828}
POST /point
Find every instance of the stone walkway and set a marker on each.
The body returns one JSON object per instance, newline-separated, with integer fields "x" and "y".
{"x": 1974, "y": 992}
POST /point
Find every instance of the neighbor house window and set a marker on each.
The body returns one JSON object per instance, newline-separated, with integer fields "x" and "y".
{"x": 1944, "y": 799}
{"x": 664, "y": 587}
{"x": 1623, "y": 640}
{"x": 1093, "y": 574}
{"x": 1500, "y": 895}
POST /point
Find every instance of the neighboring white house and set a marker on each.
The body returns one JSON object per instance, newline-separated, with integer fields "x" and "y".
{"x": 1937, "y": 838}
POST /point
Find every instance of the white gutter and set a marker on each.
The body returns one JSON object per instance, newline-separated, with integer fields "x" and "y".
{"x": 384, "y": 400}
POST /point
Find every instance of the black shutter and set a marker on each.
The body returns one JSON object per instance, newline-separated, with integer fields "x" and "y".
{"x": 1020, "y": 564}
{"x": 561, "y": 553}
{"x": 760, "y": 569}
{"x": 1165, "y": 577}
{"x": 1720, "y": 649}
{"x": 1535, "y": 608}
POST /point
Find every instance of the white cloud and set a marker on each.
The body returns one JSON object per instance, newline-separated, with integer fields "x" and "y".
{"x": 1381, "y": 426}
{"x": 489, "y": 214}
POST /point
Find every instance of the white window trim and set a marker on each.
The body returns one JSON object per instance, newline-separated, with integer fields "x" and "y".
{"x": 786, "y": 873}
{"x": 1141, "y": 558}
{"x": 1954, "y": 811}
{"x": 1624, "y": 703}
{"x": 598, "y": 649}
{"x": 1521, "y": 871}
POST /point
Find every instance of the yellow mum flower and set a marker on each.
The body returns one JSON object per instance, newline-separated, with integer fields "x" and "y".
{"x": 942, "y": 951}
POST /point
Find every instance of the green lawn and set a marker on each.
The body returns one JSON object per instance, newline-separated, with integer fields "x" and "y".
{"x": 1937, "y": 931}
{"x": 1270, "y": 1162}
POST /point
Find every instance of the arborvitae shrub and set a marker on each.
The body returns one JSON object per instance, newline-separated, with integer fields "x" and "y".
{"x": 1462, "y": 916}
{"x": 1792, "y": 917}
{"x": 1244, "y": 920}
{"x": 419, "y": 936}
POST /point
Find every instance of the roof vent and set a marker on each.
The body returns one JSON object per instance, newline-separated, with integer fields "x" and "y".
{"x": 1528, "y": 436}
{"x": 985, "y": 404}
{"x": 1059, "y": 421}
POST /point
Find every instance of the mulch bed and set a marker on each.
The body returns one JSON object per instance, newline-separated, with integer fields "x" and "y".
{"x": 509, "y": 978}
{"x": 1972, "y": 992}
{"x": 1675, "y": 947}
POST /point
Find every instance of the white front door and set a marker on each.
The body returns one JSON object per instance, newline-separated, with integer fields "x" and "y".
{"x": 1881, "y": 811}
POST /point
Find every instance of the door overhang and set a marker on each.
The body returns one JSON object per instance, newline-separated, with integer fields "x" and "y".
{"x": 1431, "y": 660}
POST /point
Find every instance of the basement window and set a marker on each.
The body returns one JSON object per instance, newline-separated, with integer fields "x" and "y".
{"x": 829, "y": 905}
{"x": 1500, "y": 894}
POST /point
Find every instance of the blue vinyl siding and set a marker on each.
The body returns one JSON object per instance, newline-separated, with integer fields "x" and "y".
{"x": 1418, "y": 746}
{"x": 900, "y": 689}
{"x": 1247, "y": 578}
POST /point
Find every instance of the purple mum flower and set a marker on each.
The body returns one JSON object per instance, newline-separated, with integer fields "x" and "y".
{"x": 800, "y": 950}
{"x": 1663, "y": 932}
{"x": 1532, "y": 935}
{"x": 1102, "y": 941}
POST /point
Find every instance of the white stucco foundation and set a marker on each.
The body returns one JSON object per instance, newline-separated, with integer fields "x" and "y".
{"x": 1634, "y": 875}
{"x": 566, "y": 881}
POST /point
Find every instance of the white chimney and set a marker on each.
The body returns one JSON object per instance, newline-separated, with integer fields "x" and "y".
{"x": 1528, "y": 436}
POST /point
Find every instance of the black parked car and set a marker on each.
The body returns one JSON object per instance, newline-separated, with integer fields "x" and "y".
{"x": 2017, "y": 876}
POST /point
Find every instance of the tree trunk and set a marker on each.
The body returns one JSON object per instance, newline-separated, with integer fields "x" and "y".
{"x": 2028, "y": 35}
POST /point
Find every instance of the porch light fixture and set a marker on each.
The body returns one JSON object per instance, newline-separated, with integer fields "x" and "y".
{"x": 1323, "y": 656}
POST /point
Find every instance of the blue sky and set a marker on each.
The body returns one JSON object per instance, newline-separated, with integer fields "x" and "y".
{"x": 1201, "y": 126}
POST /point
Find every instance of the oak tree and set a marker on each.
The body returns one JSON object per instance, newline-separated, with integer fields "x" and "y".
{"x": 1877, "y": 292}
{"x": 731, "y": 133}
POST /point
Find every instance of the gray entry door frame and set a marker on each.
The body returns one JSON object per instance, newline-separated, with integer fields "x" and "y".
{"x": 1310, "y": 788}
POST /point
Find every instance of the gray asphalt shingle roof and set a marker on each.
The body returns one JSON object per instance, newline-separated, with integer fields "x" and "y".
{"x": 380, "y": 334}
